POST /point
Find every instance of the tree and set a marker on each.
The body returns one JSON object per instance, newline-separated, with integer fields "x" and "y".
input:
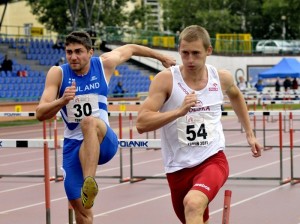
{"x": 52, "y": 14}
{"x": 64, "y": 16}
{"x": 208, "y": 13}
{"x": 284, "y": 16}
{"x": 136, "y": 18}
{"x": 263, "y": 19}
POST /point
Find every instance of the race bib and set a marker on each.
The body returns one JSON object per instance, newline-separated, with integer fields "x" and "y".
{"x": 82, "y": 106}
{"x": 195, "y": 129}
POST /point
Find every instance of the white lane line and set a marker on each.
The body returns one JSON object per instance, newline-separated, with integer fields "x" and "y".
{"x": 53, "y": 200}
{"x": 139, "y": 203}
{"x": 20, "y": 188}
{"x": 167, "y": 195}
{"x": 260, "y": 167}
{"x": 132, "y": 205}
{"x": 250, "y": 198}
{"x": 155, "y": 160}
{"x": 118, "y": 185}
{"x": 20, "y": 153}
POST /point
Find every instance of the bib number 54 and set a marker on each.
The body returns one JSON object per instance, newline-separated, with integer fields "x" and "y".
{"x": 193, "y": 133}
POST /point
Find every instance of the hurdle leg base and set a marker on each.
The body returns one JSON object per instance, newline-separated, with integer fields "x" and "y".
{"x": 267, "y": 148}
{"x": 288, "y": 180}
{"x": 295, "y": 181}
{"x": 126, "y": 179}
{"x": 133, "y": 180}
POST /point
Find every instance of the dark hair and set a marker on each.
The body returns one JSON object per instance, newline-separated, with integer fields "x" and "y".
{"x": 79, "y": 37}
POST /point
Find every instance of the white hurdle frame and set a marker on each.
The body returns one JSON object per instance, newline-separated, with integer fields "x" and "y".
{"x": 136, "y": 143}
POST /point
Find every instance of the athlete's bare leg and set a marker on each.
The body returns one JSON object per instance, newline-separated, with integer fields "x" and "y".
{"x": 93, "y": 130}
{"x": 82, "y": 215}
{"x": 195, "y": 203}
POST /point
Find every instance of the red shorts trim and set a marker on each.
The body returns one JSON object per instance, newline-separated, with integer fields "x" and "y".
{"x": 208, "y": 177}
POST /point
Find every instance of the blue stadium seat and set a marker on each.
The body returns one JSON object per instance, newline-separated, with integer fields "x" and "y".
{"x": 9, "y": 74}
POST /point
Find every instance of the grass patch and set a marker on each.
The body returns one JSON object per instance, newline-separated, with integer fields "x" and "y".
{"x": 18, "y": 123}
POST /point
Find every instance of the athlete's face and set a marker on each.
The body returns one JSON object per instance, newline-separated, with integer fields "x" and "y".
{"x": 193, "y": 54}
{"x": 78, "y": 58}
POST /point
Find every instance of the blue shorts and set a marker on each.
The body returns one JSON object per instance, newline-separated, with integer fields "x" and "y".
{"x": 73, "y": 176}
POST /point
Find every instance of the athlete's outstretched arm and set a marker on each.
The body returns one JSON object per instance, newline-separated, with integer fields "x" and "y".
{"x": 121, "y": 54}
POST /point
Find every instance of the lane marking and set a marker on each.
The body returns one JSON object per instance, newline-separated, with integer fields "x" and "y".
{"x": 167, "y": 195}
{"x": 53, "y": 200}
{"x": 132, "y": 205}
{"x": 251, "y": 198}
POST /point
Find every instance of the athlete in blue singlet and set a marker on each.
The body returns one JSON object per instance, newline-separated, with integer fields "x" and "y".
{"x": 79, "y": 90}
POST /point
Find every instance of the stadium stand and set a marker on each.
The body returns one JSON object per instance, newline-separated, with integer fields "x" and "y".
{"x": 32, "y": 59}
{"x": 135, "y": 79}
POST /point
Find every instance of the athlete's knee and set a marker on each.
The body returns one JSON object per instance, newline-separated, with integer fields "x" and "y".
{"x": 91, "y": 124}
{"x": 192, "y": 206}
{"x": 195, "y": 203}
{"x": 88, "y": 122}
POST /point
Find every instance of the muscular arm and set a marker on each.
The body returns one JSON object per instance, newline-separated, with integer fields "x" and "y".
{"x": 49, "y": 105}
{"x": 124, "y": 53}
{"x": 236, "y": 99}
{"x": 239, "y": 106}
{"x": 149, "y": 117}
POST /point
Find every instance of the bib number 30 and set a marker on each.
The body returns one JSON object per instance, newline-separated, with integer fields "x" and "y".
{"x": 82, "y": 110}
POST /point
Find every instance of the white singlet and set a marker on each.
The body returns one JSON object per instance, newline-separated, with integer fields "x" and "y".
{"x": 191, "y": 139}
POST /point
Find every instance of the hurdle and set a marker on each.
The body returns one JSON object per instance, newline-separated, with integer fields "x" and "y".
{"x": 131, "y": 143}
{"x": 42, "y": 143}
{"x": 33, "y": 143}
{"x": 120, "y": 175}
{"x": 24, "y": 143}
{"x": 47, "y": 183}
{"x": 252, "y": 114}
{"x": 226, "y": 208}
{"x": 45, "y": 144}
{"x": 155, "y": 144}
{"x": 152, "y": 143}
{"x": 54, "y": 143}
{"x": 294, "y": 180}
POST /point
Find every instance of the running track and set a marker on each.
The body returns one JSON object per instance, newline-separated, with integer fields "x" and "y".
{"x": 148, "y": 202}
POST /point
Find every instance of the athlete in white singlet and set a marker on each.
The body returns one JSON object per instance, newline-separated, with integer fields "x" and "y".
{"x": 200, "y": 127}
{"x": 185, "y": 101}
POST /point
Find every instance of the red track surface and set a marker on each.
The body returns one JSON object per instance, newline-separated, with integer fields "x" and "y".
{"x": 253, "y": 201}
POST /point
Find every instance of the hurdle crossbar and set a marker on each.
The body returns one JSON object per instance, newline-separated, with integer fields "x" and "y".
{"x": 134, "y": 113}
{"x": 123, "y": 143}
{"x": 129, "y": 143}
{"x": 156, "y": 144}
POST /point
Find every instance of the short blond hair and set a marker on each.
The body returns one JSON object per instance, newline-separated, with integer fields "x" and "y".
{"x": 194, "y": 33}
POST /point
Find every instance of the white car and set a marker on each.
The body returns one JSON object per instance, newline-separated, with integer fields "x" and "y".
{"x": 296, "y": 46}
{"x": 274, "y": 47}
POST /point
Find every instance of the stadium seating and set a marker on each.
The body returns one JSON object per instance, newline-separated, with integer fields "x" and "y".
{"x": 29, "y": 88}
{"x": 133, "y": 80}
